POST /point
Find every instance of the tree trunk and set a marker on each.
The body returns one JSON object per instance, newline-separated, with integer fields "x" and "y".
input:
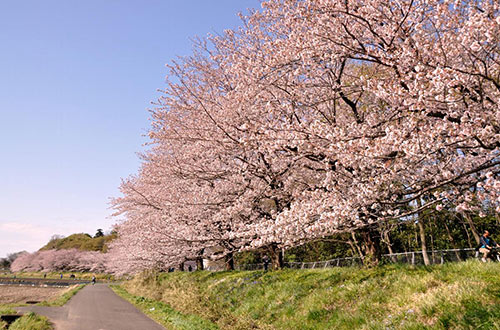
{"x": 433, "y": 248}
{"x": 452, "y": 241}
{"x": 360, "y": 253}
{"x": 199, "y": 263}
{"x": 387, "y": 241}
{"x": 371, "y": 246}
{"x": 181, "y": 266}
{"x": 276, "y": 257}
{"x": 353, "y": 249}
{"x": 423, "y": 243}
{"x": 199, "y": 260}
{"x": 468, "y": 235}
{"x": 416, "y": 237}
{"x": 472, "y": 227}
{"x": 421, "y": 231}
{"x": 229, "y": 262}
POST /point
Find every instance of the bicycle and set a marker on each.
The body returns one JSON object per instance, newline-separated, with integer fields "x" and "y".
{"x": 494, "y": 254}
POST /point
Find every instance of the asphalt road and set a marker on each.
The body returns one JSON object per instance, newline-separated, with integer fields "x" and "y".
{"x": 96, "y": 307}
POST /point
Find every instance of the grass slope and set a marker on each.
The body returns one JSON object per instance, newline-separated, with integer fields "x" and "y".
{"x": 81, "y": 241}
{"x": 164, "y": 314}
{"x": 452, "y": 296}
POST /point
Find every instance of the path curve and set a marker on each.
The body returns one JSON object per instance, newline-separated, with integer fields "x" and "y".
{"x": 96, "y": 307}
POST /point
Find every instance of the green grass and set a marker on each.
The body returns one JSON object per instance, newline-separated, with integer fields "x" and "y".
{"x": 57, "y": 275}
{"x": 64, "y": 298}
{"x": 164, "y": 314}
{"x": 452, "y": 296}
{"x": 31, "y": 321}
{"x": 5, "y": 311}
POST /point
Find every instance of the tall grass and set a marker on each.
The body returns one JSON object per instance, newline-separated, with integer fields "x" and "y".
{"x": 31, "y": 321}
{"x": 452, "y": 296}
{"x": 164, "y": 314}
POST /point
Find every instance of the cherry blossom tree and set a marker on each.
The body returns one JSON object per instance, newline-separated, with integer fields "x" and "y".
{"x": 315, "y": 118}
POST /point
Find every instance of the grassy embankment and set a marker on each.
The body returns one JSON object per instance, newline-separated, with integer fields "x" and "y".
{"x": 452, "y": 296}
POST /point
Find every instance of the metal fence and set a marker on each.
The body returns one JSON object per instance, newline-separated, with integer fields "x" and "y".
{"x": 412, "y": 258}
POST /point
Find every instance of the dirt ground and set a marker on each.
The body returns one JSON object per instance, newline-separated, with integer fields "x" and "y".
{"x": 22, "y": 294}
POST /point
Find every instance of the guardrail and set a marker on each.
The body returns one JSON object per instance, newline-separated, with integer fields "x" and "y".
{"x": 412, "y": 258}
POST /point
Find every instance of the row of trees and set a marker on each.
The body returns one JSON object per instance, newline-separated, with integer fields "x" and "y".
{"x": 441, "y": 230}
{"x": 76, "y": 253}
{"x": 318, "y": 118}
{"x": 71, "y": 260}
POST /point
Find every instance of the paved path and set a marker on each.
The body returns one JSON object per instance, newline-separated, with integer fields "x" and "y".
{"x": 96, "y": 307}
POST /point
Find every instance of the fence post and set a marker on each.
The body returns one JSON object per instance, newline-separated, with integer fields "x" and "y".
{"x": 442, "y": 258}
{"x": 413, "y": 258}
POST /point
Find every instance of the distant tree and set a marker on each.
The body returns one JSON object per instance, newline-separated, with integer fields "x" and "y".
{"x": 99, "y": 233}
{"x": 4, "y": 263}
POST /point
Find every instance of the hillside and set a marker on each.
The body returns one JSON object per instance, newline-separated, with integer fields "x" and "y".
{"x": 452, "y": 296}
{"x": 81, "y": 241}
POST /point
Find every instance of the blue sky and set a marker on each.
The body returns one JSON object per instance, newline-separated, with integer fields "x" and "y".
{"x": 76, "y": 80}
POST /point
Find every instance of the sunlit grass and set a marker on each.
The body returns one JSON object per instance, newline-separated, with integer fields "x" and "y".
{"x": 57, "y": 275}
{"x": 452, "y": 296}
{"x": 164, "y": 314}
{"x": 31, "y": 321}
{"x": 65, "y": 297}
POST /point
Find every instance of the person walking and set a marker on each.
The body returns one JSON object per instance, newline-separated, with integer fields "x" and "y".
{"x": 266, "y": 260}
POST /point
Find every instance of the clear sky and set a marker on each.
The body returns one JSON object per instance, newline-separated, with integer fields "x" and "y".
{"x": 76, "y": 80}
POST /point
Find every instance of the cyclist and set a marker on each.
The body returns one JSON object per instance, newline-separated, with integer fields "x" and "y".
{"x": 487, "y": 245}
